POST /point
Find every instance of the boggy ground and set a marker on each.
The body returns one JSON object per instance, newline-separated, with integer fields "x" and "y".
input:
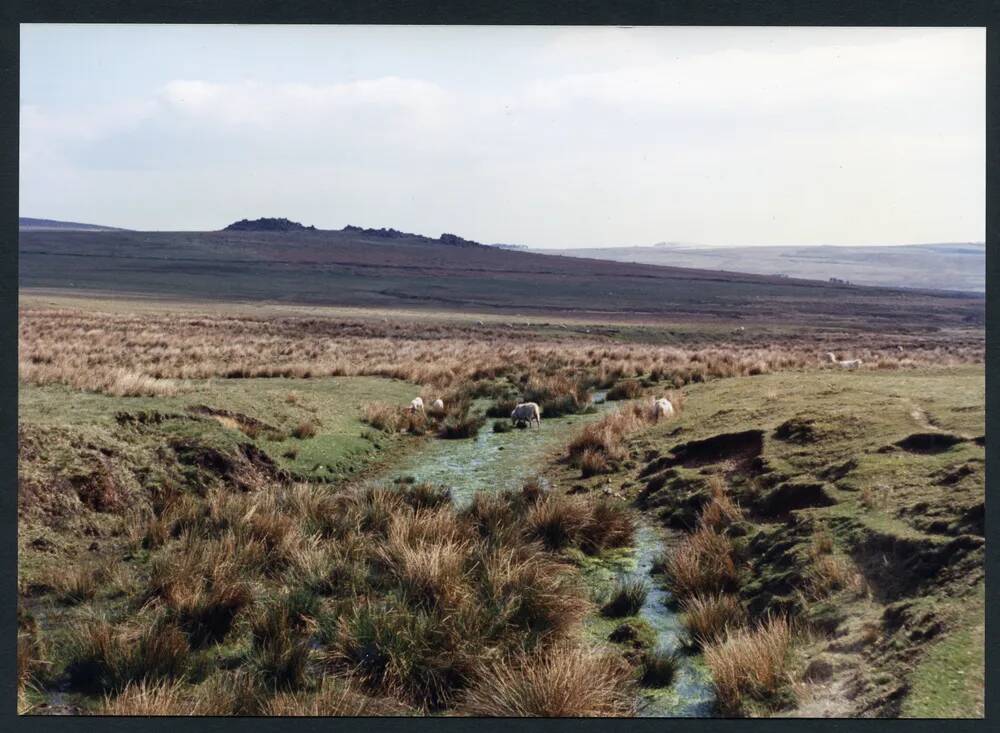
{"x": 168, "y": 564}
{"x": 849, "y": 503}
{"x": 181, "y": 476}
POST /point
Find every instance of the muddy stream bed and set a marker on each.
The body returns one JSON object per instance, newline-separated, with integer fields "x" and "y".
{"x": 497, "y": 461}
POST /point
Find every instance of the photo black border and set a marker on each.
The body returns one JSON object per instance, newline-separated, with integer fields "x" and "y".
{"x": 981, "y": 13}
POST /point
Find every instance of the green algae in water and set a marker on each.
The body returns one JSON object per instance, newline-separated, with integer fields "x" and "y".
{"x": 691, "y": 694}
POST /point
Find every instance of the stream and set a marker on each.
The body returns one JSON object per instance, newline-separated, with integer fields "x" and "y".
{"x": 497, "y": 461}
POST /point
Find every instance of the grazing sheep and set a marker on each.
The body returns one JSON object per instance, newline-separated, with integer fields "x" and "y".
{"x": 417, "y": 405}
{"x": 847, "y": 364}
{"x": 438, "y": 405}
{"x": 526, "y": 412}
{"x": 479, "y": 323}
{"x": 740, "y": 329}
{"x": 662, "y": 408}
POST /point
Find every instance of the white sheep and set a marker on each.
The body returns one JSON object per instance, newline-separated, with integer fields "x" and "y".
{"x": 662, "y": 408}
{"x": 527, "y": 412}
{"x": 847, "y": 364}
{"x": 416, "y": 405}
{"x": 438, "y": 405}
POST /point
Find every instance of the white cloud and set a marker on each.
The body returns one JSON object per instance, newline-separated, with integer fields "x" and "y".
{"x": 268, "y": 105}
{"x": 604, "y": 136}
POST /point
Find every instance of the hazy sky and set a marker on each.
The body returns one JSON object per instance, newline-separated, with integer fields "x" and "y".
{"x": 555, "y": 137}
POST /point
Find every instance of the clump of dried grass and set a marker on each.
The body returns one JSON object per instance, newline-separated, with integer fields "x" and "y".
{"x": 829, "y": 572}
{"x": 709, "y": 617}
{"x": 567, "y": 681}
{"x": 702, "y": 563}
{"x": 601, "y": 444}
{"x": 749, "y": 662}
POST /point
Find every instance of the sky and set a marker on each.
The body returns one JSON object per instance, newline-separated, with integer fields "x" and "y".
{"x": 544, "y": 136}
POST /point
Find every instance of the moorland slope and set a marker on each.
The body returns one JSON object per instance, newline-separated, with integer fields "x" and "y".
{"x": 391, "y": 269}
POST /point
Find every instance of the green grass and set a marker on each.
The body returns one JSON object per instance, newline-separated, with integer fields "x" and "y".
{"x": 884, "y": 495}
{"x": 949, "y": 681}
{"x": 342, "y": 444}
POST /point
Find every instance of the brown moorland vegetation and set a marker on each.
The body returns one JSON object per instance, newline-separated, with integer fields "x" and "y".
{"x": 147, "y": 353}
{"x": 350, "y": 601}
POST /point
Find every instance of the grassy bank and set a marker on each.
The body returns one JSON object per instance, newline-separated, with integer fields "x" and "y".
{"x": 849, "y": 505}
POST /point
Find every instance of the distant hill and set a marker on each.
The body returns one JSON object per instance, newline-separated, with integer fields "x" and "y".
{"x": 373, "y": 268}
{"x": 267, "y": 224}
{"x": 946, "y": 266}
{"x": 25, "y": 223}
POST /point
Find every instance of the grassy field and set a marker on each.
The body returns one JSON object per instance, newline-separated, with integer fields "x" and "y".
{"x": 852, "y": 503}
{"x": 195, "y": 510}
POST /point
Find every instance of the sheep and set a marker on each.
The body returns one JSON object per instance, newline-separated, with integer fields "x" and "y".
{"x": 438, "y": 405}
{"x": 526, "y": 412}
{"x": 739, "y": 329}
{"x": 662, "y": 408}
{"x": 416, "y": 405}
{"x": 847, "y": 364}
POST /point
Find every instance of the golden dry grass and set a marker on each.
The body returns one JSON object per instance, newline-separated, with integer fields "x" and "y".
{"x": 569, "y": 681}
{"x": 827, "y": 571}
{"x": 166, "y": 697}
{"x": 602, "y": 443}
{"x": 406, "y": 594}
{"x": 720, "y": 511}
{"x": 143, "y": 353}
{"x": 701, "y": 563}
{"x": 749, "y": 662}
{"x": 708, "y": 617}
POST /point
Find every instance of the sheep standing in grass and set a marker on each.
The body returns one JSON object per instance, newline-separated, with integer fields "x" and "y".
{"x": 662, "y": 408}
{"x": 416, "y": 405}
{"x": 847, "y": 364}
{"x": 437, "y": 405}
{"x": 526, "y": 412}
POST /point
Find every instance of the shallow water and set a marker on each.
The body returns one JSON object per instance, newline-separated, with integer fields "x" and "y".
{"x": 690, "y": 694}
{"x": 496, "y": 461}
{"x": 490, "y": 461}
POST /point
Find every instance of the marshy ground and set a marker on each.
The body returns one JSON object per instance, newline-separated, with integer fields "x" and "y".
{"x": 228, "y": 511}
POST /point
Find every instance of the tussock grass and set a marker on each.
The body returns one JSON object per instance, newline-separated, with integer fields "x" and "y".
{"x": 103, "y": 656}
{"x": 455, "y": 428}
{"x": 147, "y": 698}
{"x": 720, "y": 511}
{"x": 126, "y": 353}
{"x": 658, "y": 668}
{"x": 626, "y": 599}
{"x": 76, "y": 584}
{"x": 560, "y": 521}
{"x": 382, "y": 416}
{"x": 565, "y": 682}
{"x": 593, "y": 462}
{"x": 556, "y": 395}
{"x": 828, "y": 572}
{"x": 600, "y": 445}
{"x": 31, "y": 657}
{"x": 702, "y": 563}
{"x": 405, "y": 594}
{"x": 304, "y": 430}
{"x": 280, "y": 648}
{"x": 628, "y": 389}
{"x": 749, "y": 662}
{"x": 336, "y": 698}
{"x": 709, "y": 617}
